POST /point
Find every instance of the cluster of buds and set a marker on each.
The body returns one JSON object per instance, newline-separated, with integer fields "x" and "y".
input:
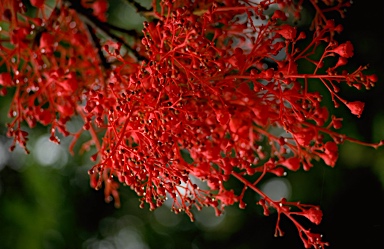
{"x": 209, "y": 91}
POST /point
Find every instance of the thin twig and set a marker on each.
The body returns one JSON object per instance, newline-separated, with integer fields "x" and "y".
{"x": 97, "y": 44}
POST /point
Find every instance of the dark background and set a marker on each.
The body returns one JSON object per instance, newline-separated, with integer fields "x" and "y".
{"x": 50, "y": 205}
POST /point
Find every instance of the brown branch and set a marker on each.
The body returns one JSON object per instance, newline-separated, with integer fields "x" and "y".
{"x": 97, "y": 44}
{"x": 91, "y": 20}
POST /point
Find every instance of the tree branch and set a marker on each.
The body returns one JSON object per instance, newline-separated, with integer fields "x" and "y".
{"x": 92, "y": 21}
{"x": 96, "y": 42}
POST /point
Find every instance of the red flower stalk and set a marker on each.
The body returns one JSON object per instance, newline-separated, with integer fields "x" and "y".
{"x": 195, "y": 101}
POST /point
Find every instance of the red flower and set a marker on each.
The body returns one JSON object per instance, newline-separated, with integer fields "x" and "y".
{"x": 330, "y": 154}
{"x": 44, "y": 116}
{"x": 292, "y": 163}
{"x": 100, "y": 8}
{"x": 356, "y": 107}
{"x": 344, "y": 50}
{"x": 37, "y": 3}
{"x": 287, "y": 31}
{"x": 5, "y": 79}
{"x": 227, "y": 197}
{"x": 278, "y": 14}
{"x": 314, "y": 214}
{"x": 46, "y": 42}
{"x": 341, "y": 62}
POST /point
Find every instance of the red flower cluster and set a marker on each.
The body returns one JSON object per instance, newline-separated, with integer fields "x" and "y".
{"x": 211, "y": 90}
